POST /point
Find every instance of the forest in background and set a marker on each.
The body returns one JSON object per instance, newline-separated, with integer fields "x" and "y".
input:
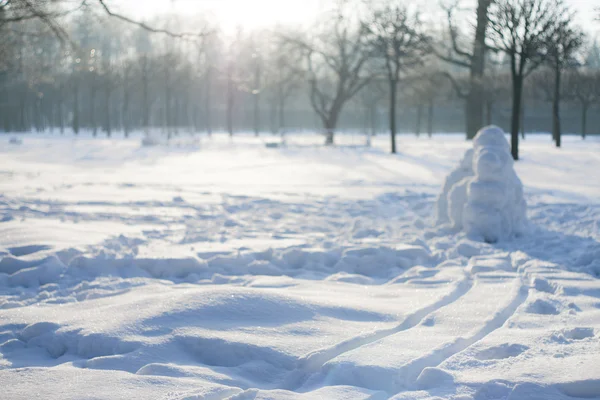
{"x": 345, "y": 72}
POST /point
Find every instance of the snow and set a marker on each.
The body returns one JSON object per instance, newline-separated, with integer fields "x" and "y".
{"x": 463, "y": 171}
{"x": 225, "y": 269}
{"x": 484, "y": 195}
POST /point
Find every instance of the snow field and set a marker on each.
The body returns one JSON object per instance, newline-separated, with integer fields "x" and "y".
{"x": 228, "y": 270}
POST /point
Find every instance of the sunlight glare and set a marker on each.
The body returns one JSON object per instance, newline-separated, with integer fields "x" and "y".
{"x": 231, "y": 14}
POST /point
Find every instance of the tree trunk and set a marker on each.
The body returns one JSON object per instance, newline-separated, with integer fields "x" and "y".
{"x": 256, "y": 119}
{"x": 393, "y": 90}
{"x": 3, "y": 98}
{"x": 584, "y": 110}
{"x": 107, "y": 116}
{"x": 256, "y": 99}
{"x": 489, "y": 107}
{"x": 176, "y": 115}
{"x": 230, "y": 107}
{"x": 92, "y": 106}
{"x": 474, "y": 113}
{"x": 167, "y": 116}
{"x": 59, "y": 109}
{"x": 330, "y": 124}
{"x": 38, "y": 116}
{"x": 522, "y": 119}
{"x": 197, "y": 110}
{"x": 59, "y": 116}
{"x": 329, "y": 136}
{"x": 281, "y": 116}
{"x": 125, "y": 112}
{"x": 516, "y": 115}
{"x": 76, "y": 107}
{"x": 207, "y": 104}
{"x": 419, "y": 119}
{"x": 190, "y": 109}
{"x": 373, "y": 117}
{"x": 430, "y": 119}
{"x": 22, "y": 118}
{"x": 125, "y": 106}
{"x": 475, "y": 97}
{"x": 4, "y": 104}
{"x": 230, "y": 99}
{"x": 556, "y": 134}
{"x": 145, "y": 94}
{"x": 273, "y": 116}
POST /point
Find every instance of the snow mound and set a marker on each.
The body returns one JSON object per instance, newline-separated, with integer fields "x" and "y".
{"x": 464, "y": 170}
{"x": 484, "y": 196}
{"x": 433, "y": 377}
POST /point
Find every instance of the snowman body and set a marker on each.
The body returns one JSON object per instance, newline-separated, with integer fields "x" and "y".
{"x": 464, "y": 170}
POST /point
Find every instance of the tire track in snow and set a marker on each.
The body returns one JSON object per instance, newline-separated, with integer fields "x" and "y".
{"x": 438, "y": 356}
{"x": 313, "y": 362}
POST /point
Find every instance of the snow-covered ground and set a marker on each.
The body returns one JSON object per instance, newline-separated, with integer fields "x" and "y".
{"x": 217, "y": 269}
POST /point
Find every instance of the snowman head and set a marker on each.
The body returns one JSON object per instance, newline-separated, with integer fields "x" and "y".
{"x": 490, "y": 136}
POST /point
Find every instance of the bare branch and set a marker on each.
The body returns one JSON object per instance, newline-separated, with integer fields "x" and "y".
{"x": 149, "y": 28}
{"x": 453, "y": 31}
{"x": 457, "y": 88}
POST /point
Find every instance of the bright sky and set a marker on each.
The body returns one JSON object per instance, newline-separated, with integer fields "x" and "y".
{"x": 251, "y": 14}
{"x": 230, "y": 14}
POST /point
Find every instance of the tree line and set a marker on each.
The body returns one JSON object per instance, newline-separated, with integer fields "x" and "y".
{"x": 85, "y": 66}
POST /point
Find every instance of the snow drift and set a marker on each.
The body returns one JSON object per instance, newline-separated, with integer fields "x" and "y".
{"x": 483, "y": 195}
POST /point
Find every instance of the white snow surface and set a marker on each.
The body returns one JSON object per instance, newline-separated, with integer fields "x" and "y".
{"x": 224, "y": 269}
{"x": 484, "y": 195}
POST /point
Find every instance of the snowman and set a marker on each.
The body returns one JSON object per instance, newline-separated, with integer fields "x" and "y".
{"x": 488, "y": 205}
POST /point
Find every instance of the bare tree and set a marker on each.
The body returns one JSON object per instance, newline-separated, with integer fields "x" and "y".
{"x": 286, "y": 77}
{"x": 524, "y": 30}
{"x": 541, "y": 85}
{"x": 335, "y": 59}
{"x": 424, "y": 92}
{"x": 566, "y": 42}
{"x": 232, "y": 78}
{"x": 474, "y": 60}
{"x": 126, "y": 75}
{"x": 496, "y": 89}
{"x": 107, "y": 73}
{"x": 584, "y": 88}
{"x": 50, "y": 12}
{"x": 397, "y": 38}
{"x": 592, "y": 58}
{"x": 209, "y": 45}
{"x": 257, "y": 82}
{"x": 368, "y": 99}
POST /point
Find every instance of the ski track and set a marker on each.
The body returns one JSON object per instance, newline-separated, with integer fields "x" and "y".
{"x": 312, "y": 363}
{"x": 410, "y": 371}
{"x": 460, "y": 344}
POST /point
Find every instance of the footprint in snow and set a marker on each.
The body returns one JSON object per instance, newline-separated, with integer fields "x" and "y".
{"x": 544, "y": 307}
{"x": 573, "y": 334}
{"x": 503, "y": 351}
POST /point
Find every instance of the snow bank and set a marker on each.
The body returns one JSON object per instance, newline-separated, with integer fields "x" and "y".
{"x": 484, "y": 195}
